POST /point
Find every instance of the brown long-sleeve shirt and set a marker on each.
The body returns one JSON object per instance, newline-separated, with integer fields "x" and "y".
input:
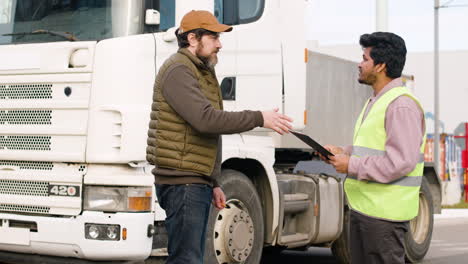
{"x": 182, "y": 92}
{"x": 405, "y": 126}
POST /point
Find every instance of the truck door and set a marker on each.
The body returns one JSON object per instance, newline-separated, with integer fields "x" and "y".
{"x": 258, "y": 72}
{"x": 226, "y": 67}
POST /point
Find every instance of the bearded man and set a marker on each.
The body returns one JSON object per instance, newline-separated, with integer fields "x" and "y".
{"x": 184, "y": 141}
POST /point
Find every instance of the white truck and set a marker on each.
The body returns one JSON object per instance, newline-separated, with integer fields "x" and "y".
{"x": 76, "y": 83}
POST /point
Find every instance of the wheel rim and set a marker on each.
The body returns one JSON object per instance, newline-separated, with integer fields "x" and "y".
{"x": 419, "y": 225}
{"x": 233, "y": 234}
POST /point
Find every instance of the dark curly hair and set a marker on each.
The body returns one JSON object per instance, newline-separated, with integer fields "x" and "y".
{"x": 182, "y": 40}
{"x": 386, "y": 48}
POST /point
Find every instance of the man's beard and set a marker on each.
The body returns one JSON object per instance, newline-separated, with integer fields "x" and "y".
{"x": 210, "y": 60}
{"x": 370, "y": 80}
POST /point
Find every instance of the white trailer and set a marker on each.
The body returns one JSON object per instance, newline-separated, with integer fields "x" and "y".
{"x": 76, "y": 83}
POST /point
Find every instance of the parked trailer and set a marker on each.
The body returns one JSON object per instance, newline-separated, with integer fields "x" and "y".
{"x": 74, "y": 182}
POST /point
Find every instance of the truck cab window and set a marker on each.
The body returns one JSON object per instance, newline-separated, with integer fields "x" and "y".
{"x": 236, "y": 12}
{"x": 250, "y": 10}
{"x": 20, "y": 20}
{"x": 36, "y": 21}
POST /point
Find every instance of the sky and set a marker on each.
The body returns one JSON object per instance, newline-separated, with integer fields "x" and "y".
{"x": 334, "y": 22}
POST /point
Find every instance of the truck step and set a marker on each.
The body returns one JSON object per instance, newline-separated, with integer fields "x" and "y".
{"x": 295, "y": 207}
{"x": 296, "y": 203}
{"x": 296, "y": 197}
{"x": 285, "y": 239}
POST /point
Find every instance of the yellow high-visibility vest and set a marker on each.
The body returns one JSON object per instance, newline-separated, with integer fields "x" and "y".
{"x": 397, "y": 200}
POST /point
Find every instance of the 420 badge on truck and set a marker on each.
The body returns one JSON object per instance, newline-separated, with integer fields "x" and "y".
{"x": 64, "y": 190}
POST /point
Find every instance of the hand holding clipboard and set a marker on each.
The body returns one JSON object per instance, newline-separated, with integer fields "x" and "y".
{"x": 312, "y": 143}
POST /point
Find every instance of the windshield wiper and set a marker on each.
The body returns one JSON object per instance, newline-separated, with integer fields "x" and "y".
{"x": 66, "y": 35}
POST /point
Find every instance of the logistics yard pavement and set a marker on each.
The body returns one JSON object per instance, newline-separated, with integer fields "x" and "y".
{"x": 450, "y": 238}
{"x": 449, "y": 244}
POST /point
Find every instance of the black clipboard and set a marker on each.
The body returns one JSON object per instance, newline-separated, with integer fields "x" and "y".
{"x": 314, "y": 144}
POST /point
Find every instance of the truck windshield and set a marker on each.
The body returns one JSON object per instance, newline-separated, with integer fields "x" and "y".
{"x": 87, "y": 20}
{"x": 34, "y": 21}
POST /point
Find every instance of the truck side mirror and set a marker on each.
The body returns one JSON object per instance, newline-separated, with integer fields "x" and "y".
{"x": 231, "y": 12}
{"x": 152, "y": 17}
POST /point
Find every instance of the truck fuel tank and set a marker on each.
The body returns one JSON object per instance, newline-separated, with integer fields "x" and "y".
{"x": 311, "y": 209}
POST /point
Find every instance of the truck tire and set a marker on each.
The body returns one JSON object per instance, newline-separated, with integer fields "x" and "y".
{"x": 340, "y": 247}
{"x": 417, "y": 239}
{"x": 235, "y": 233}
{"x": 419, "y": 235}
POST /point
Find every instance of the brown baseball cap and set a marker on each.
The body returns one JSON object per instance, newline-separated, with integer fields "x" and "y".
{"x": 201, "y": 19}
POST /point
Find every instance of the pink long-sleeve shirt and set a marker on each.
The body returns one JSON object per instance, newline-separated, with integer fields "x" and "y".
{"x": 405, "y": 126}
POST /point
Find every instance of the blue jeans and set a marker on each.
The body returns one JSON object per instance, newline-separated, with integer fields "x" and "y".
{"x": 187, "y": 209}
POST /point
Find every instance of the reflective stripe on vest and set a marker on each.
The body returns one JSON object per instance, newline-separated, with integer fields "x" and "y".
{"x": 363, "y": 151}
{"x": 397, "y": 200}
{"x": 413, "y": 181}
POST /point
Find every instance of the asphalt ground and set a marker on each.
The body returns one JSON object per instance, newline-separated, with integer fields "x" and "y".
{"x": 449, "y": 244}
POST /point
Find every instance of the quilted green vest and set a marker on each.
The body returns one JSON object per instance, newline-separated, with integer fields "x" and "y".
{"x": 397, "y": 200}
{"x": 172, "y": 142}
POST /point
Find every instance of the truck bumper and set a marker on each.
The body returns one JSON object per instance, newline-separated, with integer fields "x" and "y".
{"x": 65, "y": 236}
{"x": 11, "y": 257}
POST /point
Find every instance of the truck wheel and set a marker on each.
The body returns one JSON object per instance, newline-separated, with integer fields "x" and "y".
{"x": 340, "y": 247}
{"x": 235, "y": 233}
{"x": 418, "y": 238}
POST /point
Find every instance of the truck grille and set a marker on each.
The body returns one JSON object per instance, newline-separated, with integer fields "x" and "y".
{"x": 26, "y": 117}
{"x": 28, "y": 165}
{"x": 26, "y": 91}
{"x": 29, "y": 188}
{"x": 30, "y": 194}
{"x": 25, "y": 142}
{"x": 24, "y": 208}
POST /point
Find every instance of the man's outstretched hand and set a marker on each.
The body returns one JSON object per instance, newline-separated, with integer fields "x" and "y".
{"x": 276, "y": 121}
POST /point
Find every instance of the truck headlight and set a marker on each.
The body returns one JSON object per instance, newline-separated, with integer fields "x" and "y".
{"x": 93, "y": 232}
{"x": 102, "y": 232}
{"x": 117, "y": 199}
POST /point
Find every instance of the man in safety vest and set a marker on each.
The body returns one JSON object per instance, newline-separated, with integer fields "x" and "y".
{"x": 385, "y": 163}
